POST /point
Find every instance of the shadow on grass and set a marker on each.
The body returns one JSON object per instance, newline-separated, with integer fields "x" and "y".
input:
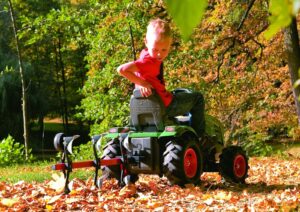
{"x": 260, "y": 187}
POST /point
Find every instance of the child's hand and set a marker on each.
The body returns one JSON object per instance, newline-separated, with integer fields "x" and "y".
{"x": 146, "y": 89}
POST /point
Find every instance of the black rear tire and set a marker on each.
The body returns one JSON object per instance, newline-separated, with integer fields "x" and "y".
{"x": 234, "y": 164}
{"x": 183, "y": 162}
{"x": 112, "y": 150}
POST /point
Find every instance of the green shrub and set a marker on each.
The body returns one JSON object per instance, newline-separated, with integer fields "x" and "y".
{"x": 12, "y": 152}
{"x": 294, "y": 133}
{"x": 83, "y": 152}
{"x": 255, "y": 143}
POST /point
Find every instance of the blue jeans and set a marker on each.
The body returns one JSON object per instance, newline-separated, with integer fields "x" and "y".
{"x": 192, "y": 103}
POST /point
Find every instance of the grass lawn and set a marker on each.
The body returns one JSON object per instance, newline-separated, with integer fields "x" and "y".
{"x": 37, "y": 172}
{"x": 43, "y": 148}
{"x": 58, "y": 127}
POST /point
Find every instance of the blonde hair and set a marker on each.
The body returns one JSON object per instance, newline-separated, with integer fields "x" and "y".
{"x": 158, "y": 28}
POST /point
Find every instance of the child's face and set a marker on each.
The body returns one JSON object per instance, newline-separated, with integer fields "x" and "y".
{"x": 158, "y": 48}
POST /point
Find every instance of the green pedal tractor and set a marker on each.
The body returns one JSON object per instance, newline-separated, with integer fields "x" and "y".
{"x": 154, "y": 144}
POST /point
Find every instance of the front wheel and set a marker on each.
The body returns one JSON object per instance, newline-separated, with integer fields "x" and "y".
{"x": 234, "y": 164}
{"x": 183, "y": 162}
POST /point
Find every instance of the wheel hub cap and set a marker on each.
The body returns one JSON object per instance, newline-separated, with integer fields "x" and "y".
{"x": 239, "y": 166}
{"x": 190, "y": 163}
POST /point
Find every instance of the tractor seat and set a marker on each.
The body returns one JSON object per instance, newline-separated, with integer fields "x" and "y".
{"x": 183, "y": 119}
{"x": 147, "y": 113}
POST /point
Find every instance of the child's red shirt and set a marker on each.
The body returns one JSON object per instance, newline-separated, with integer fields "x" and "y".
{"x": 149, "y": 70}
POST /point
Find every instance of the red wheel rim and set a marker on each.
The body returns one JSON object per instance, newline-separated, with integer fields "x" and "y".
{"x": 190, "y": 163}
{"x": 239, "y": 166}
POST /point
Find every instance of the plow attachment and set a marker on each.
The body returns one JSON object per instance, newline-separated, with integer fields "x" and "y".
{"x": 64, "y": 145}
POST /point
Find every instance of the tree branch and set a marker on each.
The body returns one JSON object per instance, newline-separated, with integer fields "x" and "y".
{"x": 217, "y": 79}
{"x": 245, "y": 15}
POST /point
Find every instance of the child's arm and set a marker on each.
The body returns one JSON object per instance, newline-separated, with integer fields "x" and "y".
{"x": 128, "y": 70}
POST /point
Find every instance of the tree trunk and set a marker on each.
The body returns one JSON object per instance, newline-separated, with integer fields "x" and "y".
{"x": 58, "y": 86}
{"x": 23, "y": 83}
{"x": 293, "y": 53}
{"x": 64, "y": 95}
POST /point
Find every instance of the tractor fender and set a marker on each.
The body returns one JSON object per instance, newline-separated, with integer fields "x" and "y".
{"x": 214, "y": 128}
{"x": 115, "y": 132}
{"x": 177, "y": 131}
{"x": 111, "y": 135}
{"x": 133, "y": 134}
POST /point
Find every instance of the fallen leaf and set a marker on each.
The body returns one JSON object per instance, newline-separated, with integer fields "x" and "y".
{"x": 209, "y": 201}
{"x": 9, "y": 202}
{"x": 155, "y": 205}
{"x": 53, "y": 199}
{"x": 58, "y": 182}
{"x": 223, "y": 195}
{"x": 128, "y": 191}
{"x": 72, "y": 200}
{"x": 49, "y": 207}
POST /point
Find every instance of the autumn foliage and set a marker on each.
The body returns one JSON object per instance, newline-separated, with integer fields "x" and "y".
{"x": 243, "y": 76}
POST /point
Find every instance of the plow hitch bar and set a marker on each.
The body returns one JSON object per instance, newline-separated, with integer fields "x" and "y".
{"x": 66, "y": 165}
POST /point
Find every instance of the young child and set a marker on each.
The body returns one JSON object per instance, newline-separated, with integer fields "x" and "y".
{"x": 146, "y": 72}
